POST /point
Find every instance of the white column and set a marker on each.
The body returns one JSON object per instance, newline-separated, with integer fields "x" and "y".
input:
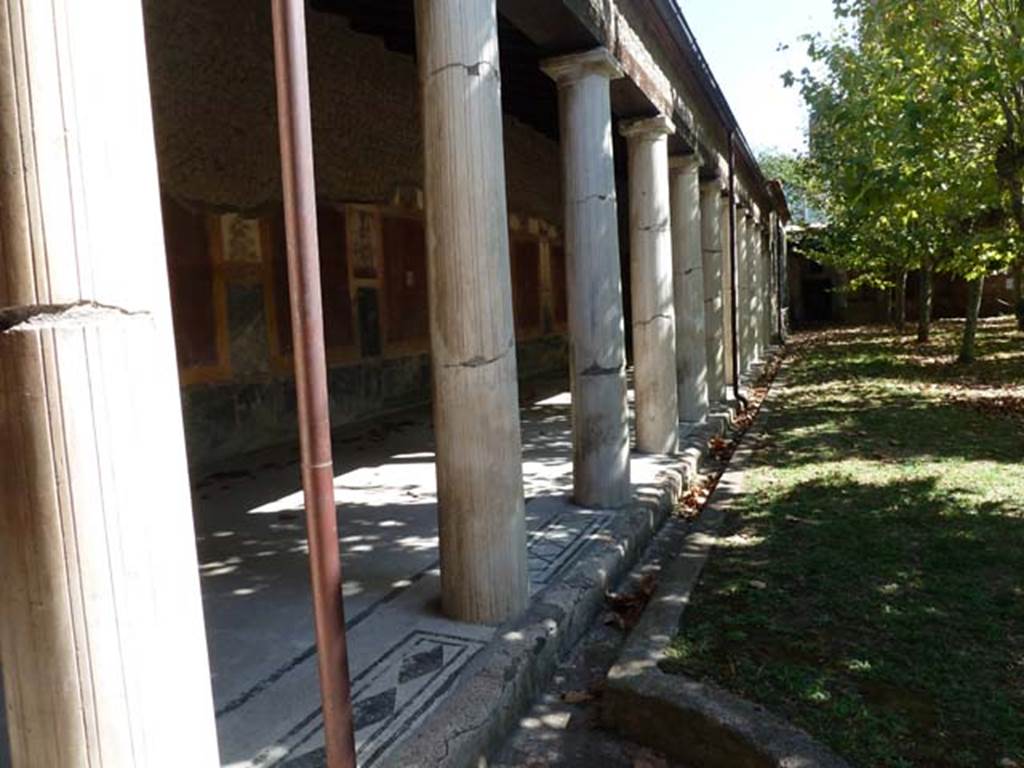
{"x": 476, "y": 411}
{"x": 688, "y": 290}
{"x": 101, "y": 623}
{"x": 757, "y": 290}
{"x": 768, "y": 285}
{"x": 650, "y": 259}
{"x": 750, "y": 316}
{"x": 743, "y": 291}
{"x": 593, "y": 275}
{"x": 714, "y": 330}
{"x": 784, "y": 297}
{"x": 727, "y": 297}
{"x": 773, "y": 274}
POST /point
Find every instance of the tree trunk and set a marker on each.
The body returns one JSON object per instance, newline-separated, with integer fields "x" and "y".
{"x": 901, "y": 301}
{"x": 924, "y": 305}
{"x": 974, "y": 291}
{"x": 1018, "y": 291}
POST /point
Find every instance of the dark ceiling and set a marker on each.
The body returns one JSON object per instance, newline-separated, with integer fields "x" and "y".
{"x": 527, "y": 93}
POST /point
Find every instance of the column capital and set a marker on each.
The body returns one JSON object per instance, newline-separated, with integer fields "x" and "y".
{"x": 684, "y": 164}
{"x": 568, "y": 69}
{"x": 647, "y": 127}
{"x": 715, "y": 184}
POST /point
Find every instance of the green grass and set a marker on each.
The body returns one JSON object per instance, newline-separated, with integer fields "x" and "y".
{"x": 870, "y": 586}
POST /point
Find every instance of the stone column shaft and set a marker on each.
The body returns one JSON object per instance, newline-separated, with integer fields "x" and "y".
{"x": 101, "y": 623}
{"x": 742, "y": 292}
{"x": 476, "y": 411}
{"x": 773, "y": 272}
{"x": 758, "y": 293}
{"x": 727, "y": 298}
{"x": 654, "y": 318}
{"x": 688, "y": 290}
{"x": 593, "y": 275}
{"x": 714, "y": 328}
{"x": 767, "y": 289}
{"x": 750, "y": 314}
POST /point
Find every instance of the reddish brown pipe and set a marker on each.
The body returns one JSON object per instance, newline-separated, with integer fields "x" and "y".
{"x": 734, "y": 282}
{"x": 294, "y": 127}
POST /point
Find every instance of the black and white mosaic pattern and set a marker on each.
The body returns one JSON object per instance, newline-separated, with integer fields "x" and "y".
{"x": 559, "y": 541}
{"x": 390, "y": 696}
{"x": 401, "y": 686}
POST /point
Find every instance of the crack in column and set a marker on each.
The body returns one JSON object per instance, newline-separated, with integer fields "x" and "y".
{"x": 594, "y": 369}
{"x": 479, "y": 361}
{"x": 661, "y": 226}
{"x": 473, "y": 70}
{"x": 604, "y": 198}
{"x": 644, "y": 323}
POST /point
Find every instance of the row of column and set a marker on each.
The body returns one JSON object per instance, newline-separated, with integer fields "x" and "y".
{"x": 97, "y": 558}
{"x": 681, "y": 276}
{"x": 755, "y": 283}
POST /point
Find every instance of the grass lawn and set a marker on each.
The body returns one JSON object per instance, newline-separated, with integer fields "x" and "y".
{"x": 870, "y": 587}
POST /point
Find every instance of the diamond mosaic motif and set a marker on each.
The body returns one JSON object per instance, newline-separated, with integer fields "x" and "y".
{"x": 559, "y": 541}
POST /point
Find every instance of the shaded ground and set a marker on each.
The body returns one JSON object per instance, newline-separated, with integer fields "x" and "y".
{"x": 563, "y": 728}
{"x": 871, "y": 587}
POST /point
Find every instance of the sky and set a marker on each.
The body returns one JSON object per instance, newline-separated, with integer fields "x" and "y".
{"x": 740, "y": 40}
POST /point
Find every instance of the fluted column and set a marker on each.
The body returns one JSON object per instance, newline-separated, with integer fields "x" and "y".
{"x": 746, "y": 292}
{"x": 773, "y": 277}
{"x": 742, "y": 292}
{"x": 711, "y": 206}
{"x": 783, "y": 277}
{"x": 767, "y": 284}
{"x": 728, "y": 298}
{"x": 756, "y": 290}
{"x": 476, "y": 411}
{"x": 650, "y": 259}
{"x": 101, "y": 623}
{"x": 688, "y": 289}
{"x": 597, "y": 337}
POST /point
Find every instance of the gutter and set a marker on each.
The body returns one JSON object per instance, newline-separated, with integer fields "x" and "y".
{"x": 688, "y": 44}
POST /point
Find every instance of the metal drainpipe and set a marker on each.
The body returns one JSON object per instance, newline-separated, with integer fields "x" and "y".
{"x": 734, "y": 277}
{"x": 296, "y": 137}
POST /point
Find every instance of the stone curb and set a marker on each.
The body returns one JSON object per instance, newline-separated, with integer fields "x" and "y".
{"x": 688, "y": 721}
{"x": 500, "y": 685}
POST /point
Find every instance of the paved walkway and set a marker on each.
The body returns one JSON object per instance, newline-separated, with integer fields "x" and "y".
{"x": 404, "y": 654}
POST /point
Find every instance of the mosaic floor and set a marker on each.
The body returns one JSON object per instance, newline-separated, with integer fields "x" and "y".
{"x": 404, "y": 655}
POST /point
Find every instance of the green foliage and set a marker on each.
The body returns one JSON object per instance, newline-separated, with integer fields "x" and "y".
{"x": 800, "y": 185}
{"x": 917, "y": 135}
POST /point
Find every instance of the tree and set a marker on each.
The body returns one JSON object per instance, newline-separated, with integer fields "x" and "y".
{"x": 915, "y": 138}
{"x": 799, "y": 184}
